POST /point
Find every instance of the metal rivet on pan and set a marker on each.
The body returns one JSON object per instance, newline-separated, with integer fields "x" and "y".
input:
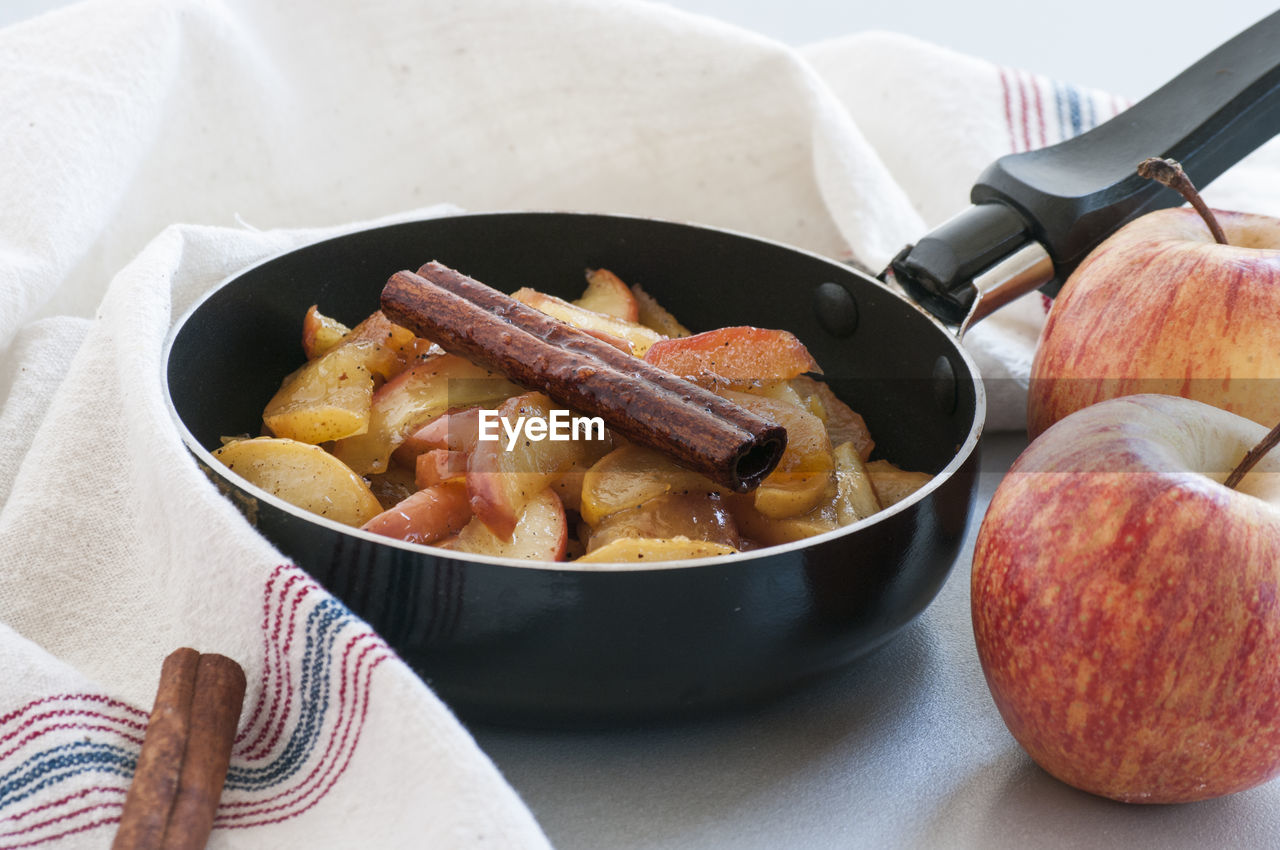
{"x": 945, "y": 391}
{"x": 836, "y": 310}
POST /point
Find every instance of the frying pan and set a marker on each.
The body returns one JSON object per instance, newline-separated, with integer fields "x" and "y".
{"x": 558, "y": 645}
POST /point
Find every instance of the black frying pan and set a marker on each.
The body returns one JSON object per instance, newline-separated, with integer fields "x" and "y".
{"x": 559, "y": 645}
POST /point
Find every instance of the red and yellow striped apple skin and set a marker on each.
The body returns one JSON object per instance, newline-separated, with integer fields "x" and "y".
{"x": 1126, "y": 606}
{"x": 1161, "y": 308}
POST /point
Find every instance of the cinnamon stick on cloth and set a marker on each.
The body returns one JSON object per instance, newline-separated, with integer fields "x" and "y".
{"x": 698, "y": 429}
{"x": 185, "y": 754}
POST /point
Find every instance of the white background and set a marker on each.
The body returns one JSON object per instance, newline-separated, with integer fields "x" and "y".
{"x": 1123, "y": 46}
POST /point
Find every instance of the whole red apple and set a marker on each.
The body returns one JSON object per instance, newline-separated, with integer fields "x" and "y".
{"x": 1126, "y": 605}
{"x": 1159, "y": 307}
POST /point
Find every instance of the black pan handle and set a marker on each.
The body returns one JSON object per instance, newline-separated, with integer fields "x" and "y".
{"x": 1037, "y": 214}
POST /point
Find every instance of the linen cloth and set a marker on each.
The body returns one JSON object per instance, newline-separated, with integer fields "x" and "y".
{"x": 148, "y": 149}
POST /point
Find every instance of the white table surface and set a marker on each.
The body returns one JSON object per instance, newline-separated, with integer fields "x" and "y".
{"x": 903, "y": 749}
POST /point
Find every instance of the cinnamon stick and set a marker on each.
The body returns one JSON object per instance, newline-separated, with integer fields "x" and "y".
{"x": 155, "y": 779}
{"x": 215, "y": 710}
{"x": 185, "y": 754}
{"x": 698, "y": 429}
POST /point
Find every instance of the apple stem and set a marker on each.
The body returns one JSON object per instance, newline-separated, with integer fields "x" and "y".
{"x": 1252, "y": 457}
{"x": 1170, "y": 173}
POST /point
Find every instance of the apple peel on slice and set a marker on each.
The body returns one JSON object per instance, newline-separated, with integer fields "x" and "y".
{"x": 503, "y": 478}
{"x": 414, "y": 397}
{"x": 640, "y": 337}
{"x": 607, "y": 294}
{"x": 428, "y": 516}
{"x": 541, "y": 533}
{"x": 439, "y": 466}
{"x": 737, "y": 357}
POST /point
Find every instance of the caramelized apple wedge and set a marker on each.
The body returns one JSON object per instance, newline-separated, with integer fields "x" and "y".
{"x": 654, "y": 315}
{"x": 568, "y": 486}
{"x": 540, "y": 534}
{"x": 303, "y": 475}
{"x": 798, "y": 482}
{"x": 327, "y": 399}
{"x": 648, "y": 549}
{"x": 428, "y": 516}
{"x": 439, "y": 466}
{"x": 767, "y": 531}
{"x": 454, "y": 431}
{"x": 694, "y": 516}
{"x": 320, "y": 332}
{"x": 848, "y": 498}
{"x": 632, "y": 475}
{"x": 607, "y": 294}
{"x": 736, "y": 357}
{"x": 398, "y": 345}
{"x": 503, "y": 478}
{"x": 414, "y": 397}
{"x": 843, "y": 424}
{"x": 856, "y": 496}
{"x": 640, "y": 337}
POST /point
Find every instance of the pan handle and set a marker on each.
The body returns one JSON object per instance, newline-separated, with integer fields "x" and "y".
{"x": 1037, "y": 214}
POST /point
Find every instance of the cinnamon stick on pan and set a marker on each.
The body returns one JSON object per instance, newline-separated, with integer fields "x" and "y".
{"x": 700, "y": 430}
{"x": 185, "y": 754}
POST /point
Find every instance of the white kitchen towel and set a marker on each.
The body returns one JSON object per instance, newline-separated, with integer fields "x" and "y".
{"x": 150, "y": 148}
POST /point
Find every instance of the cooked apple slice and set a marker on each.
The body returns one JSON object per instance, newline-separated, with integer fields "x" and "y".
{"x": 798, "y": 482}
{"x": 856, "y": 497}
{"x": 428, "y": 516}
{"x": 327, "y": 399}
{"x": 647, "y": 549}
{"x": 736, "y": 357}
{"x": 455, "y": 431}
{"x": 695, "y": 516}
{"x": 438, "y": 466}
{"x": 607, "y": 294}
{"x": 541, "y": 533}
{"x": 399, "y": 344}
{"x": 782, "y": 391}
{"x": 304, "y": 475}
{"x": 320, "y": 333}
{"x": 843, "y": 423}
{"x": 632, "y": 475}
{"x": 654, "y": 315}
{"x": 502, "y": 480}
{"x": 568, "y": 486}
{"x": 414, "y": 397}
{"x": 640, "y": 337}
{"x": 892, "y": 484}
{"x": 767, "y": 531}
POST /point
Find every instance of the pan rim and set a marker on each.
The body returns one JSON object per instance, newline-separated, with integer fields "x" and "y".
{"x": 206, "y": 459}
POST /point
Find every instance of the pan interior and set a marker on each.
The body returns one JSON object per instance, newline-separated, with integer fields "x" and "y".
{"x": 902, "y": 372}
